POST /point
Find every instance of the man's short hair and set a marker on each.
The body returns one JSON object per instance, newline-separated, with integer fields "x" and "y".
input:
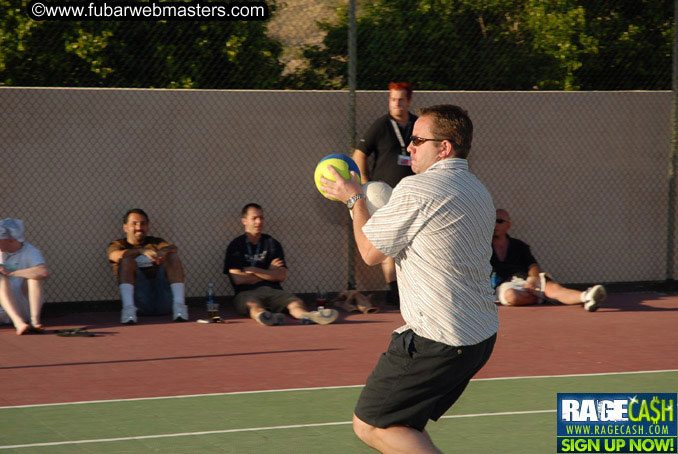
{"x": 401, "y": 86}
{"x": 246, "y": 208}
{"x": 451, "y": 123}
{"x": 125, "y": 218}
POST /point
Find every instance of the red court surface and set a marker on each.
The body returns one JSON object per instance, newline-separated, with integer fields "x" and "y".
{"x": 633, "y": 332}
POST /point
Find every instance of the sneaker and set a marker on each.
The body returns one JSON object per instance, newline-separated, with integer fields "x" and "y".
{"x": 593, "y": 296}
{"x": 128, "y": 315}
{"x": 267, "y": 318}
{"x": 321, "y": 317}
{"x": 180, "y": 312}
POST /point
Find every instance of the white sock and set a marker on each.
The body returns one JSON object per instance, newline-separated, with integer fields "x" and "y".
{"x": 583, "y": 296}
{"x": 127, "y": 295}
{"x": 177, "y": 292}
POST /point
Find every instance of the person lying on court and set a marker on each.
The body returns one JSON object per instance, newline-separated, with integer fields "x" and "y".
{"x": 22, "y": 270}
{"x": 255, "y": 265}
{"x": 149, "y": 272}
{"x": 520, "y": 279}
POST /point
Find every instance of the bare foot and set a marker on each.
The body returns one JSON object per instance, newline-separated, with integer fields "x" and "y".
{"x": 23, "y": 329}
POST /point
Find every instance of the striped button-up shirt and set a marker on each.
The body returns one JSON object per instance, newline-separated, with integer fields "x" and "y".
{"x": 438, "y": 227}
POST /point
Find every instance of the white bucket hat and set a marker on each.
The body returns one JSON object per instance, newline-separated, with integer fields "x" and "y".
{"x": 12, "y": 229}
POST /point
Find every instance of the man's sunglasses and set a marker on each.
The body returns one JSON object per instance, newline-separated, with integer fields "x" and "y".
{"x": 501, "y": 221}
{"x": 420, "y": 140}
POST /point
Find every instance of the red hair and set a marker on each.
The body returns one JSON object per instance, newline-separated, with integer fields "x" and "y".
{"x": 401, "y": 86}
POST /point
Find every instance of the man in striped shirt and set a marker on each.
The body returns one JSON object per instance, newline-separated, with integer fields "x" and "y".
{"x": 438, "y": 227}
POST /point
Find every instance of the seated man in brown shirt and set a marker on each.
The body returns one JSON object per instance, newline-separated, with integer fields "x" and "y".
{"x": 148, "y": 270}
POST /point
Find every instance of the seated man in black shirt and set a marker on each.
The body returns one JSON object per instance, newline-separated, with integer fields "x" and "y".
{"x": 255, "y": 265}
{"x": 519, "y": 278}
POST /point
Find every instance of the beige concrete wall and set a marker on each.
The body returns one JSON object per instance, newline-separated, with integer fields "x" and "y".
{"x": 584, "y": 176}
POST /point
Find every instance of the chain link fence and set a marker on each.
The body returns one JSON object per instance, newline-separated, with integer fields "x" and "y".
{"x": 583, "y": 175}
{"x": 582, "y": 169}
{"x": 434, "y": 44}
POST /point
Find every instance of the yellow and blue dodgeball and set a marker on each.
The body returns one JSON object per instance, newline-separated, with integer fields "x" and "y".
{"x": 342, "y": 163}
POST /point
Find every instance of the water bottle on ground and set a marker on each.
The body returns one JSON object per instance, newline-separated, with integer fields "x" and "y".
{"x": 495, "y": 280}
{"x": 212, "y": 307}
{"x": 320, "y": 299}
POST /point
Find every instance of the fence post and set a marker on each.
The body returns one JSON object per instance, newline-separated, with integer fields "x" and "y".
{"x": 671, "y": 221}
{"x": 352, "y": 71}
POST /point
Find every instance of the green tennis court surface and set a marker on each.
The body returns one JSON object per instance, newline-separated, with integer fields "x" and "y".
{"x": 493, "y": 416}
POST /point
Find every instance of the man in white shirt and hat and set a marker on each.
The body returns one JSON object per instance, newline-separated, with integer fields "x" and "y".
{"x": 22, "y": 270}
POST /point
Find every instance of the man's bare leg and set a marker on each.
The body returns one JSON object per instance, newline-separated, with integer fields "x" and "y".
{"x": 394, "y": 439}
{"x": 174, "y": 268}
{"x": 9, "y": 305}
{"x": 126, "y": 269}
{"x": 35, "y": 301}
{"x": 565, "y": 295}
{"x": 519, "y": 297}
{"x": 255, "y": 308}
{"x": 297, "y": 309}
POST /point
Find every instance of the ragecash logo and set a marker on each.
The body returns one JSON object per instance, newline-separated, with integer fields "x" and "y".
{"x": 623, "y": 423}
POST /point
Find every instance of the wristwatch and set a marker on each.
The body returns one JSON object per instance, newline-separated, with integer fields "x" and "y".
{"x": 350, "y": 202}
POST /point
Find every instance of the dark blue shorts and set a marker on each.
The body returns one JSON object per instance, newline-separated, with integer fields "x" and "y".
{"x": 152, "y": 292}
{"x": 418, "y": 379}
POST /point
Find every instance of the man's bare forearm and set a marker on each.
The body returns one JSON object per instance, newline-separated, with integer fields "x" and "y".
{"x": 37, "y": 272}
{"x": 240, "y": 277}
{"x": 273, "y": 274}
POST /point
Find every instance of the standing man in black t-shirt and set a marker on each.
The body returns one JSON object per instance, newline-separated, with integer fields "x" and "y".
{"x": 255, "y": 265}
{"x": 522, "y": 282}
{"x": 386, "y": 146}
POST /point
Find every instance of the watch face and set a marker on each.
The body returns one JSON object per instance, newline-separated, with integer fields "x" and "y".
{"x": 353, "y": 200}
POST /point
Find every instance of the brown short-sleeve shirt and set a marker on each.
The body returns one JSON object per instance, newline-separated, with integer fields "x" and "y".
{"x": 152, "y": 242}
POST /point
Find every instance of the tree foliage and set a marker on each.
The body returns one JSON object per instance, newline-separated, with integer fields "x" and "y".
{"x": 501, "y": 45}
{"x": 167, "y": 54}
{"x": 435, "y": 44}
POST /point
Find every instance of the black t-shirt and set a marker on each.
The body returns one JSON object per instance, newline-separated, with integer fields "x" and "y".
{"x": 518, "y": 260}
{"x": 382, "y": 142}
{"x": 240, "y": 254}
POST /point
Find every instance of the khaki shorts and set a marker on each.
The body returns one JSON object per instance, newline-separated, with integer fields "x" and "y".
{"x": 271, "y": 299}
{"x": 518, "y": 284}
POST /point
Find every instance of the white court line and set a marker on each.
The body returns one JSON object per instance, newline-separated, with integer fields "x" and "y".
{"x": 263, "y": 391}
{"x": 577, "y": 375}
{"x": 249, "y": 429}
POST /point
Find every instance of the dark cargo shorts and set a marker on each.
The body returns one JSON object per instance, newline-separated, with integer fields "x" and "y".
{"x": 271, "y": 299}
{"x": 418, "y": 379}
